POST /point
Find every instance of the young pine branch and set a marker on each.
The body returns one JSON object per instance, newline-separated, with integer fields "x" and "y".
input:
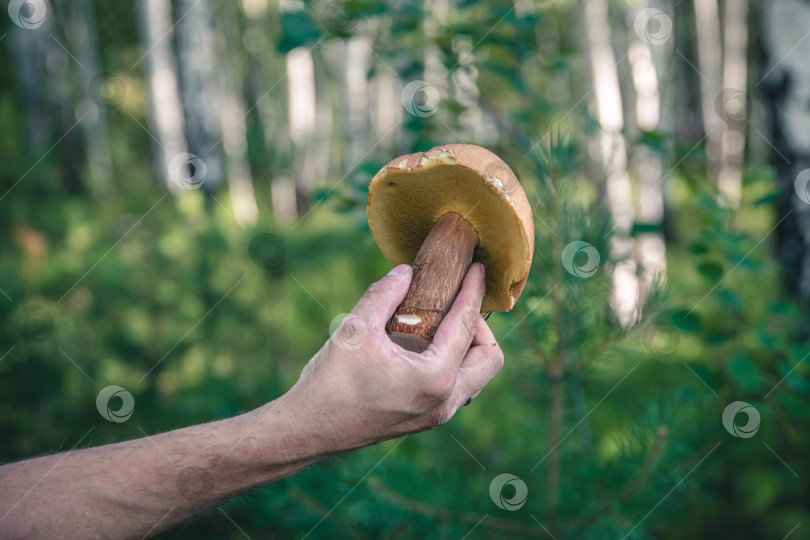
{"x": 418, "y": 507}
{"x": 631, "y": 488}
{"x": 644, "y": 471}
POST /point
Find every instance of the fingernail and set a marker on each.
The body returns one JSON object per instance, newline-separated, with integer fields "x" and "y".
{"x": 399, "y": 271}
{"x": 481, "y": 269}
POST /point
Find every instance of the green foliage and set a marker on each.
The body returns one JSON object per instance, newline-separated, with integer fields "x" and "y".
{"x": 201, "y": 319}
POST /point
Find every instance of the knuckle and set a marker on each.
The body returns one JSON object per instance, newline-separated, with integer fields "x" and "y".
{"x": 439, "y": 384}
{"x": 377, "y": 287}
{"x": 498, "y": 358}
{"x": 435, "y": 418}
{"x": 469, "y": 319}
{"x": 423, "y": 404}
{"x": 375, "y": 292}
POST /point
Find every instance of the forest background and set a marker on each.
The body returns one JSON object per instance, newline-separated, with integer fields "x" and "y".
{"x": 182, "y": 207}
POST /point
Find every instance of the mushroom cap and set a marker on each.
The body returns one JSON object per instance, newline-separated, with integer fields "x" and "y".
{"x": 408, "y": 196}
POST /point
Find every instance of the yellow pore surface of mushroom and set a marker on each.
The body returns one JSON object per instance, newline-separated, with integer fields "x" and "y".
{"x": 409, "y": 196}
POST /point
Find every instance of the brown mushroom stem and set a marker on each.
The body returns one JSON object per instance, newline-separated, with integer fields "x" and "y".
{"x": 438, "y": 269}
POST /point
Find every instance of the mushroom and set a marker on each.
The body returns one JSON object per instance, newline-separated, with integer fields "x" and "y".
{"x": 439, "y": 210}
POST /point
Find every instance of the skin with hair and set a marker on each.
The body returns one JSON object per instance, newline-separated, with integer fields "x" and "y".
{"x": 346, "y": 397}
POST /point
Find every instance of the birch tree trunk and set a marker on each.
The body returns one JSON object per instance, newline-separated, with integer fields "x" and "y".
{"x": 650, "y": 248}
{"x": 710, "y": 70}
{"x": 787, "y": 78}
{"x": 290, "y": 194}
{"x": 386, "y": 108}
{"x": 199, "y": 86}
{"x": 310, "y": 125}
{"x": 613, "y": 151}
{"x": 733, "y": 102}
{"x": 357, "y": 62}
{"x": 165, "y": 108}
{"x": 302, "y": 105}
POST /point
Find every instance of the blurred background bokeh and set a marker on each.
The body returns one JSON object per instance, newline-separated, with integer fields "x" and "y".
{"x": 182, "y": 207}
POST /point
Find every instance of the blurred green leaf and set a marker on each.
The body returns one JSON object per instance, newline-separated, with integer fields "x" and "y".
{"x": 744, "y": 373}
{"x": 685, "y": 320}
{"x": 757, "y": 176}
{"x": 768, "y": 199}
{"x": 730, "y": 299}
{"x": 711, "y": 270}
{"x": 298, "y": 29}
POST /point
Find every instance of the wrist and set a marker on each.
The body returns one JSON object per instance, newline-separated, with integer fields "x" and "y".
{"x": 284, "y": 437}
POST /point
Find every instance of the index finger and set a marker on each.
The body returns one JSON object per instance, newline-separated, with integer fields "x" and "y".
{"x": 456, "y": 331}
{"x": 382, "y": 297}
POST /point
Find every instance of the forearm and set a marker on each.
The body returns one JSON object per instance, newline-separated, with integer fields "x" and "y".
{"x": 140, "y": 487}
{"x": 351, "y": 394}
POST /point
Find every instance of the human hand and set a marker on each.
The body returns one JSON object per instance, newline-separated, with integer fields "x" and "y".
{"x": 361, "y": 388}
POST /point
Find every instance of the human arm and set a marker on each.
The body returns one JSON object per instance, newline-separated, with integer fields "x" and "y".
{"x": 359, "y": 389}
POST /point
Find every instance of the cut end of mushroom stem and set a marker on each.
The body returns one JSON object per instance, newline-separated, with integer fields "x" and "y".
{"x": 438, "y": 270}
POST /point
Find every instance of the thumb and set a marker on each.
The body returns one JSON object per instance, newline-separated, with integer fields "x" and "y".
{"x": 382, "y": 297}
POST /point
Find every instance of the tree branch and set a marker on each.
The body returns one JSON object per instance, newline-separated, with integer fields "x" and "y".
{"x": 644, "y": 471}
{"x": 418, "y": 507}
{"x": 630, "y": 489}
{"x": 313, "y": 505}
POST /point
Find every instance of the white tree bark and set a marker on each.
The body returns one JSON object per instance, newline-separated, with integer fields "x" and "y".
{"x": 650, "y": 248}
{"x": 284, "y": 200}
{"x": 357, "y": 62}
{"x": 199, "y": 85}
{"x": 613, "y": 151}
{"x": 165, "y": 108}
{"x": 301, "y": 95}
{"x": 734, "y": 103}
{"x": 301, "y": 118}
{"x": 710, "y": 67}
{"x": 386, "y": 107}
